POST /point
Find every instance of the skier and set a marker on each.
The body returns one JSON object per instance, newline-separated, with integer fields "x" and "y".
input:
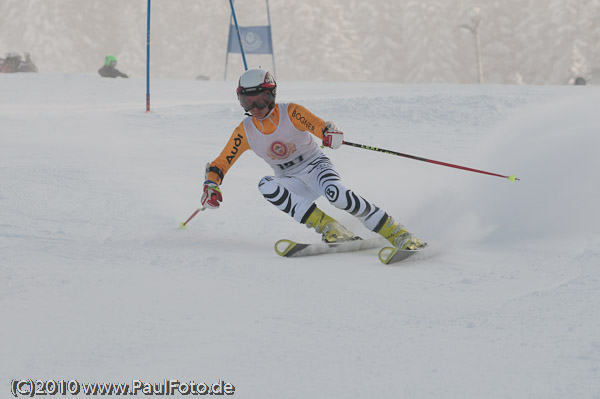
{"x": 280, "y": 133}
{"x": 14, "y": 63}
{"x": 109, "y": 69}
{"x": 11, "y": 63}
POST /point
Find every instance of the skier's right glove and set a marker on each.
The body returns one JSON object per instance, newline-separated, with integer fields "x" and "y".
{"x": 211, "y": 198}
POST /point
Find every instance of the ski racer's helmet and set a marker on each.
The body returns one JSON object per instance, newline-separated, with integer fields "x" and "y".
{"x": 257, "y": 88}
{"x": 110, "y": 59}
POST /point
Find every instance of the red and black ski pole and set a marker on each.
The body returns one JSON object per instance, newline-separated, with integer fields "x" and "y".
{"x": 184, "y": 224}
{"x": 368, "y": 147}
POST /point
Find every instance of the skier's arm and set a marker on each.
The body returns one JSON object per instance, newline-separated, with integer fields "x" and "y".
{"x": 303, "y": 119}
{"x": 237, "y": 144}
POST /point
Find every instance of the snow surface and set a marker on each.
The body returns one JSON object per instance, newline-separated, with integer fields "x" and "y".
{"x": 99, "y": 283}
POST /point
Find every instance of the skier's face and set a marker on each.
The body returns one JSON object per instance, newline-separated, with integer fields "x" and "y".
{"x": 259, "y": 113}
{"x": 258, "y": 104}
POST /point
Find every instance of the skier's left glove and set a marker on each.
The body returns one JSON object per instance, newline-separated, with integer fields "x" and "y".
{"x": 332, "y": 136}
{"x": 211, "y": 198}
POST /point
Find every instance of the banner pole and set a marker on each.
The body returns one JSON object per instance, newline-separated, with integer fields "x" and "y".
{"x": 148, "y": 61}
{"x": 237, "y": 29}
{"x": 271, "y": 39}
{"x": 227, "y": 52}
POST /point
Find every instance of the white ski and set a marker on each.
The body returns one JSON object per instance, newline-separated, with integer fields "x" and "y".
{"x": 289, "y": 248}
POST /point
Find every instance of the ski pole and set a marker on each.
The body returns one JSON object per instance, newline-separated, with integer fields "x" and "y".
{"x": 183, "y": 224}
{"x": 367, "y": 147}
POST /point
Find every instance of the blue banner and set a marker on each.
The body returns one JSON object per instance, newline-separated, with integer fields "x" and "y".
{"x": 255, "y": 39}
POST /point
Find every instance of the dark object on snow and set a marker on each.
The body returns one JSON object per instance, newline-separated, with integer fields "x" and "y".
{"x": 11, "y": 63}
{"x": 109, "y": 69}
{"x": 580, "y": 81}
{"x": 27, "y": 65}
{"x": 14, "y": 63}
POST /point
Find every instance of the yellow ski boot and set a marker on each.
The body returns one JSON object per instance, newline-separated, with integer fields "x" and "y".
{"x": 330, "y": 229}
{"x": 398, "y": 236}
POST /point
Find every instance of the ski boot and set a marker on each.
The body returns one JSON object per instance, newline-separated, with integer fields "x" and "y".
{"x": 398, "y": 236}
{"x": 330, "y": 228}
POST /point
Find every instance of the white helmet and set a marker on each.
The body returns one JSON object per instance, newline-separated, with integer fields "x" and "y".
{"x": 257, "y": 88}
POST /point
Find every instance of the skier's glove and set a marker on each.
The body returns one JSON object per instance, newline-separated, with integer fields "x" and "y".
{"x": 211, "y": 199}
{"x": 332, "y": 137}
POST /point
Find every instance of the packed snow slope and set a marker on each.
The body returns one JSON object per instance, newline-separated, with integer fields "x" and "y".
{"x": 98, "y": 282}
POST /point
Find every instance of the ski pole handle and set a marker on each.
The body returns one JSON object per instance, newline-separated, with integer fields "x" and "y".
{"x": 184, "y": 224}
{"x": 367, "y": 147}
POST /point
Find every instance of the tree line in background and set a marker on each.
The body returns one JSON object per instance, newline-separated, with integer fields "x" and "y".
{"x": 405, "y": 41}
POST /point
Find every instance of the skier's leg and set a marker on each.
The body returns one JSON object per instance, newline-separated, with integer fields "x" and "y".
{"x": 288, "y": 195}
{"x": 293, "y": 197}
{"x": 327, "y": 181}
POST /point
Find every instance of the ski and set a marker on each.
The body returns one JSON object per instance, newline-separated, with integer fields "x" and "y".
{"x": 289, "y": 248}
{"x": 389, "y": 255}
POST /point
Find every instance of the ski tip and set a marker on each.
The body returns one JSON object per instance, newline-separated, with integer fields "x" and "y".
{"x": 385, "y": 254}
{"x": 388, "y": 255}
{"x": 283, "y": 247}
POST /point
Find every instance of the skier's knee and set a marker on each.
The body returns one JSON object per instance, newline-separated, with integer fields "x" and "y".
{"x": 332, "y": 193}
{"x": 266, "y": 185}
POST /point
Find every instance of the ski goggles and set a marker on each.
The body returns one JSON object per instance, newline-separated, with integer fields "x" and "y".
{"x": 259, "y": 100}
